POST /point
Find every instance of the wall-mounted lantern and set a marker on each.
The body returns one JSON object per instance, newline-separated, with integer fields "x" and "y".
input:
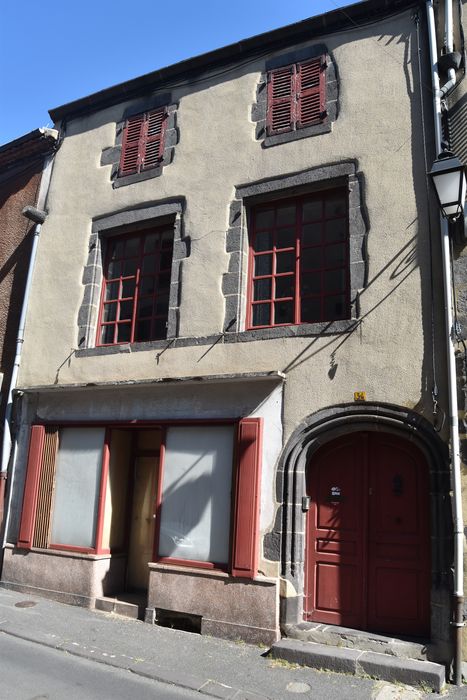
{"x": 448, "y": 177}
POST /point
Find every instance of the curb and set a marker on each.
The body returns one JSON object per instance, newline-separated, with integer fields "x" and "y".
{"x": 204, "y": 686}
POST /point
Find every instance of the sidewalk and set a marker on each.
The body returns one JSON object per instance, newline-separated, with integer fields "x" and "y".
{"x": 214, "y": 667}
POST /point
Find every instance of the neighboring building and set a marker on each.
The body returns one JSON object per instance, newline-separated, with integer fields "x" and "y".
{"x": 226, "y": 389}
{"x": 21, "y": 165}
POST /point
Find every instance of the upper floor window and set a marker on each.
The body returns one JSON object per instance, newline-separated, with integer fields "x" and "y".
{"x": 143, "y": 142}
{"x": 299, "y": 260}
{"x": 136, "y": 286}
{"x": 296, "y": 96}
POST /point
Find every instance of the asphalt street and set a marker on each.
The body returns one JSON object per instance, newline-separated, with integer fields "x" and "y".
{"x": 33, "y": 672}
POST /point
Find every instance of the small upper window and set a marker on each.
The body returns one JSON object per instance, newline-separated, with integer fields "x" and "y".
{"x": 136, "y": 287}
{"x": 296, "y": 96}
{"x": 143, "y": 142}
{"x": 299, "y": 260}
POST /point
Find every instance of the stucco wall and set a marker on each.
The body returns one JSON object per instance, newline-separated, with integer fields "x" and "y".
{"x": 377, "y": 125}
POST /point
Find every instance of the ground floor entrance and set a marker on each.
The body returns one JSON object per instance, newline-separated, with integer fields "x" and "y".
{"x": 368, "y": 536}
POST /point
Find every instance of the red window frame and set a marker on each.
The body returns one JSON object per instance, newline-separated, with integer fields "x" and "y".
{"x": 246, "y": 477}
{"x": 143, "y": 142}
{"x": 136, "y": 287}
{"x": 299, "y": 260}
{"x": 296, "y": 96}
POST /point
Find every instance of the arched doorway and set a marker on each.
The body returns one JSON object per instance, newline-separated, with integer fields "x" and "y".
{"x": 367, "y": 562}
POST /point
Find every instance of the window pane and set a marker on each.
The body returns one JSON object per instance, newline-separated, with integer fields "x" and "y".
{"x": 77, "y": 483}
{"x": 124, "y": 333}
{"x": 117, "y": 250}
{"x": 107, "y": 334}
{"x": 111, "y": 290}
{"x": 285, "y": 262}
{"x": 126, "y": 310}
{"x": 263, "y": 241}
{"x": 335, "y": 307}
{"x": 162, "y": 304}
{"x": 335, "y": 230}
{"x": 335, "y": 205}
{"x": 160, "y": 328}
{"x": 334, "y": 280}
{"x": 313, "y": 210}
{"x": 284, "y": 312}
{"x": 143, "y": 331}
{"x": 164, "y": 281}
{"x": 128, "y": 288}
{"x": 166, "y": 260}
{"x": 261, "y": 315}
{"x": 262, "y": 289}
{"x": 285, "y": 286}
{"x": 130, "y": 267}
{"x": 263, "y": 265}
{"x": 311, "y": 258}
{"x": 334, "y": 255}
{"x": 151, "y": 242}
{"x": 145, "y": 307}
{"x": 110, "y": 312}
{"x": 196, "y": 494}
{"x": 147, "y": 285}
{"x": 312, "y": 233}
{"x": 286, "y": 215}
{"x": 285, "y": 238}
{"x": 311, "y": 310}
{"x": 264, "y": 219}
{"x": 149, "y": 264}
{"x": 311, "y": 283}
{"x": 115, "y": 270}
{"x": 132, "y": 247}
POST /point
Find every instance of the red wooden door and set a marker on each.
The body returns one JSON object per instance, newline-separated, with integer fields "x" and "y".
{"x": 367, "y": 563}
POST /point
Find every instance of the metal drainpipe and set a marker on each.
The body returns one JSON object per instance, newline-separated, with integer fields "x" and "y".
{"x": 7, "y": 443}
{"x": 458, "y": 593}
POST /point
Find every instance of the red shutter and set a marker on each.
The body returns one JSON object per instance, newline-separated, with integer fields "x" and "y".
{"x": 281, "y": 100}
{"x": 310, "y": 87}
{"x": 132, "y": 139}
{"x": 154, "y": 139}
{"x": 31, "y": 487}
{"x": 247, "y": 494}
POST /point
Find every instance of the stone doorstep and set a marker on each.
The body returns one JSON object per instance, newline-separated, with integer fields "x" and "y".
{"x": 118, "y": 607}
{"x": 336, "y": 636}
{"x": 361, "y": 663}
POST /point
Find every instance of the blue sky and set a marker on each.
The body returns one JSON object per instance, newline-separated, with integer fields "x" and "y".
{"x": 51, "y": 54}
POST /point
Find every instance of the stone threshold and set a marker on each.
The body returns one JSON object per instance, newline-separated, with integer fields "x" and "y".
{"x": 336, "y": 636}
{"x": 357, "y": 662}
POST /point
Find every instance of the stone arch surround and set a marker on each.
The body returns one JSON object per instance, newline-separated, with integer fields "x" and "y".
{"x": 325, "y": 426}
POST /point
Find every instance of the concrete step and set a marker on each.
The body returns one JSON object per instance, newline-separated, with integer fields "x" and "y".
{"x": 119, "y": 607}
{"x": 361, "y": 663}
{"x": 336, "y": 636}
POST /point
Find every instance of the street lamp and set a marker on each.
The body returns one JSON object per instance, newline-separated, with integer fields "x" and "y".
{"x": 448, "y": 177}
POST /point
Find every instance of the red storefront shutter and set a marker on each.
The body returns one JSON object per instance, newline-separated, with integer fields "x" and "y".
{"x": 154, "y": 139}
{"x": 310, "y": 78}
{"x": 31, "y": 487}
{"x": 281, "y": 100}
{"x": 132, "y": 140}
{"x": 247, "y": 495}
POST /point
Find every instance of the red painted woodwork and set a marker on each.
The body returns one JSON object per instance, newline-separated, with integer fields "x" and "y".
{"x": 368, "y": 563}
{"x": 299, "y": 268}
{"x": 246, "y": 504}
{"x": 31, "y": 487}
{"x": 143, "y": 142}
{"x": 296, "y": 96}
